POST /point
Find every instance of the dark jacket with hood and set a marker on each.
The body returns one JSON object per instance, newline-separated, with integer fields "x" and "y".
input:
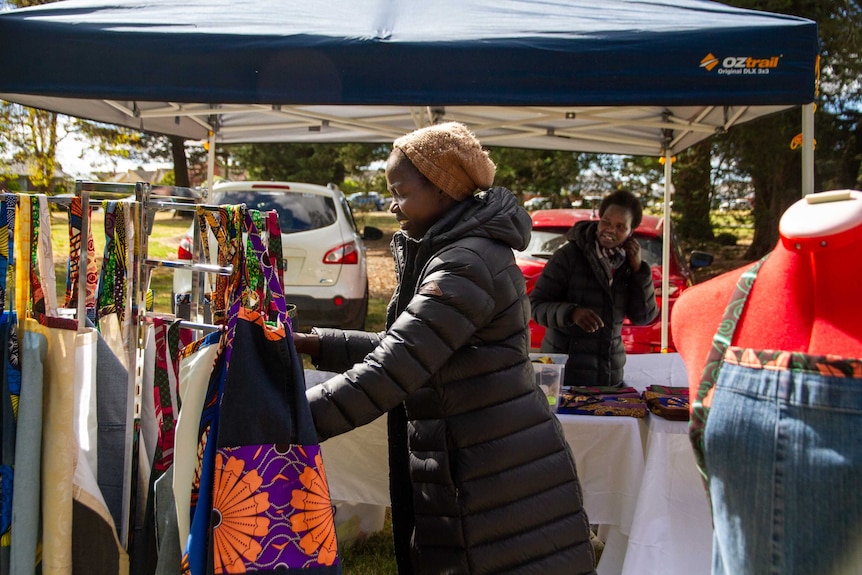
{"x": 574, "y": 277}
{"x": 482, "y": 480}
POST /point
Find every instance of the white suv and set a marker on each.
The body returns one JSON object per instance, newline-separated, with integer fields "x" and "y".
{"x": 325, "y": 273}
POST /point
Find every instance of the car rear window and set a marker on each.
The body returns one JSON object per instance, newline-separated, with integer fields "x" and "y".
{"x": 297, "y": 211}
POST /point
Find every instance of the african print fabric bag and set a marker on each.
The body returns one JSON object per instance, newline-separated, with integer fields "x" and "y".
{"x": 602, "y": 400}
{"x": 669, "y": 402}
{"x": 263, "y": 493}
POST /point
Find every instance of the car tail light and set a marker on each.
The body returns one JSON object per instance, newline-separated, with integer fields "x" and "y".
{"x": 184, "y": 251}
{"x": 338, "y": 301}
{"x": 344, "y": 254}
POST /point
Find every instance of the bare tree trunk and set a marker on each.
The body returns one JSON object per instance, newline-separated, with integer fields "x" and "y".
{"x": 774, "y": 195}
{"x": 181, "y": 167}
{"x": 693, "y": 189}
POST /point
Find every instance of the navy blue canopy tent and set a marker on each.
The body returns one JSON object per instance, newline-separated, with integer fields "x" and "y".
{"x": 635, "y": 77}
{"x": 617, "y": 76}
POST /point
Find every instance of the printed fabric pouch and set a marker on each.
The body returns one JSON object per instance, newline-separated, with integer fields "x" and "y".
{"x": 601, "y": 400}
{"x": 669, "y": 402}
{"x": 270, "y": 505}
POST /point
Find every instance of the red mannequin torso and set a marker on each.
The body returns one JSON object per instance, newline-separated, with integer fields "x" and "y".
{"x": 807, "y": 296}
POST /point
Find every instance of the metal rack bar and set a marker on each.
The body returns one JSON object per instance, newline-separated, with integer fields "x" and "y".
{"x": 184, "y": 322}
{"x": 194, "y": 266}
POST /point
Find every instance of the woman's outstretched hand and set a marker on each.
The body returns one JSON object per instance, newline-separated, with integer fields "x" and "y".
{"x": 307, "y": 343}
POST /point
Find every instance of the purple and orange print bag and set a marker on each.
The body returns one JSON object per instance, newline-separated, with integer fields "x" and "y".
{"x": 263, "y": 504}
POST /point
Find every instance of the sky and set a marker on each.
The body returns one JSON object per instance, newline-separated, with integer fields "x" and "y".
{"x": 71, "y": 149}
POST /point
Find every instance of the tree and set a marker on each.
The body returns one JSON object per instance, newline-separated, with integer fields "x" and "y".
{"x": 119, "y": 142}
{"x": 31, "y": 137}
{"x": 542, "y": 172}
{"x": 311, "y": 163}
{"x": 762, "y": 149}
{"x": 693, "y": 192}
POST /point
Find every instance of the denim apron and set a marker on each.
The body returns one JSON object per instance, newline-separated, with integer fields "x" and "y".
{"x": 777, "y": 437}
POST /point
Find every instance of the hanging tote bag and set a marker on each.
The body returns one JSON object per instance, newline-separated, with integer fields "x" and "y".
{"x": 269, "y": 501}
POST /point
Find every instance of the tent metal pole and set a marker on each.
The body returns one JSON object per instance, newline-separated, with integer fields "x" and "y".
{"x": 665, "y": 251}
{"x": 807, "y": 149}
{"x": 211, "y": 158}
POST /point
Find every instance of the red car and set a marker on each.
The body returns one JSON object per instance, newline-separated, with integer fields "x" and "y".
{"x": 549, "y": 234}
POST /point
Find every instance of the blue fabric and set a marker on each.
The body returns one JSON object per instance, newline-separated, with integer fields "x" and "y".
{"x": 197, "y": 545}
{"x": 10, "y": 374}
{"x": 783, "y": 449}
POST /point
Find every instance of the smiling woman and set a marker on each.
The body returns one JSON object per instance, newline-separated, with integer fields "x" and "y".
{"x": 590, "y": 286}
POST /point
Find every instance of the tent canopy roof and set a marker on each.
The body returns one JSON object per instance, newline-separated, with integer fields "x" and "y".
{"x": 628, "y": 76}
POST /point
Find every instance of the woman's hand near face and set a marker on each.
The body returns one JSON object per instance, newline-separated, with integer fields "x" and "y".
{"x": 633, "y": 252}
{"x": 587, "y": 319}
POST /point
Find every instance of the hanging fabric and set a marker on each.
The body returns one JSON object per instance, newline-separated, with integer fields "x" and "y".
{"x": 45, "y": 261}
{"x": 78, "y": 534}
{"x": 113, "y": 281}
{"x": 197, "y": 362}
{"x": 10, "y": 388}
{"x": 160, "y": 405}
{"x": 76, "y": 215}
{"x": 262, "y": 499}
{"x": 226, "y": 226}
{"x": 166, "y": 397}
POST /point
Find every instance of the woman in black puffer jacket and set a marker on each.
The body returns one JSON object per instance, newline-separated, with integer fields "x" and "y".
{"x": 589, "y": 286}
{"x": 482, "y": 480}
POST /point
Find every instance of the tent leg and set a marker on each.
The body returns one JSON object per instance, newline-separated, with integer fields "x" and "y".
{"x": 211, "y": 157}
{"x": 665, "y": 252}
{"x": 807, "y": 149}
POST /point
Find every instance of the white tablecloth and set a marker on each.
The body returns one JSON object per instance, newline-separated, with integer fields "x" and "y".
{"x": 638, "y": 478}
{"x": 671, "y": 532}
{"x": 667, "y": 529}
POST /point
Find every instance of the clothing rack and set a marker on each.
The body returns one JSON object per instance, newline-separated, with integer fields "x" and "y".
{"x": 88, "y": 191}
{"x": 132, "y": 331}
{"x": 141, "y": 202}
{"x": 143, "y": 206}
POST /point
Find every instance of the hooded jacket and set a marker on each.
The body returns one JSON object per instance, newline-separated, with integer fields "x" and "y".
{"x": 482, "y": 480}
{"x": 574, "y": 277}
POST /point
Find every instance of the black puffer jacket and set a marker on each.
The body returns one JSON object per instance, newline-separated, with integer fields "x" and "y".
{"x": 482, "y": 478}
{"x": 573, "y": 277}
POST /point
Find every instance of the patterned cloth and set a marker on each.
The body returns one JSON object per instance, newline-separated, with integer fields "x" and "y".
{"x": 626, "y": 401}
{"x": 74, "y": 261}
{"x": 668, "y": 402}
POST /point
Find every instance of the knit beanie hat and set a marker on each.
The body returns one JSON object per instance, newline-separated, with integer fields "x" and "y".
{"x": 451, "y": 157}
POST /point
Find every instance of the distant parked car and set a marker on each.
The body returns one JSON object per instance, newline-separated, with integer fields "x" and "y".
{"x": 549, "y": 234}
{"x": 738, "y": 204}
{"x": 538, "y": 203}
{"x": 325, "y": 267}
{"x": 372, "y": 201}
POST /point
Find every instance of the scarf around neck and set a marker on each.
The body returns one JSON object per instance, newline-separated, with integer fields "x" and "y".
{"x": 610, "y": 259}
